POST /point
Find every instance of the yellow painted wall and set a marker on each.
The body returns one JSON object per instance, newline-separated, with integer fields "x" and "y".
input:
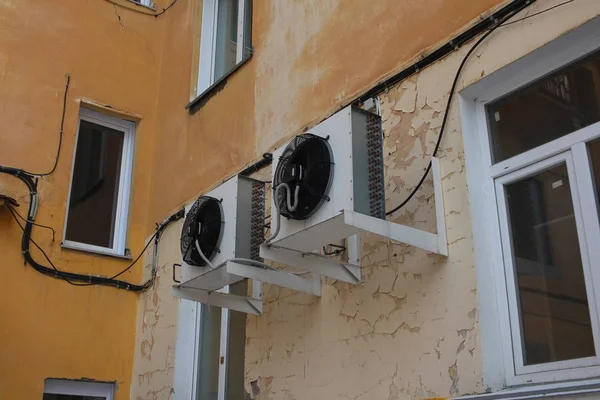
{"x": 50, "y": 328}
{"x": 310, "y": 57}
{"x": 411, "y": 329}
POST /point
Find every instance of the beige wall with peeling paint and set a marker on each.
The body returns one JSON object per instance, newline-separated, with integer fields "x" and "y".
{"x": 410, "y": 330}
{"x": 154, "y": 362}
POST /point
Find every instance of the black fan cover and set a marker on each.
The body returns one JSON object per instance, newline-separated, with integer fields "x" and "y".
{"x": 307, "y": 163}
{"x": 203, "y": 222}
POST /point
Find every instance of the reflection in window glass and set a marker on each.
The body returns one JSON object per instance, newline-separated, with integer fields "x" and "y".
{"x": 547, "y": 109}
{"x": 95, "y": 185}
{"x": 226, "y": 42}
{"x": 248, "y": 28}
{"x": 48, "y": 396}
{"x": 236, "y": 347}
{"x": 553, "y": 305}
{"x": 210, "y": 339}
{"x": 594, "y": 151}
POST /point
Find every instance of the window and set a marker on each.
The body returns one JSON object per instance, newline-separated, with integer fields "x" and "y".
{"x": 147, "y": 3}
{"x": 535, "y": 210}
{"x": 57, "y": 389}
{"x": 210, "y": 350}
{"x": 226, "y": 39}
{"x": 98, "y": 203}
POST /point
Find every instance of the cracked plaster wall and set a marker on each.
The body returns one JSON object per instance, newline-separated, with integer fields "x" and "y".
{"x": 410, "y": 329}
{"x": 154, "y": 360}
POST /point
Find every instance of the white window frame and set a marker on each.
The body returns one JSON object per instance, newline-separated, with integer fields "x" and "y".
{"x": 79, "y": 388}
{"x": 502, "y": 359}
{"x": 118, "y": 247}
{"x": 208, "y": 41}
{"x": 188, "y": 351}
{"x": 147, "y": 3}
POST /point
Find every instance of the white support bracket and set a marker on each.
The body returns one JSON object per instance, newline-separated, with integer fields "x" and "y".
{"x": 232, "y": 272}
{"x": 315, "y": 263}
{"x": 210, "y": 287}
{"x": 248, "y": 305}
{"x": 433, "y": 242}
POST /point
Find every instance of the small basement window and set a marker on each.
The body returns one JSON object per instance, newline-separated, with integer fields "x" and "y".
{"x": 60, "y": 389}
{"x": 100, "y": 185}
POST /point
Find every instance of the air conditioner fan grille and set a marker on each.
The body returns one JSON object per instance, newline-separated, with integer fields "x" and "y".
{"x": 307, "y": 164}
{"x": 203, "y": 223}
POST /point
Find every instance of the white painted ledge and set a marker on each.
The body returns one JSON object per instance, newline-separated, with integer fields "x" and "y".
{"x": 567, "y": 390}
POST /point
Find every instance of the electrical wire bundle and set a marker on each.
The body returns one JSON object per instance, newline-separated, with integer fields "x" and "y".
{"x": 71, "y": 277}
{"x": 31, "y": 181}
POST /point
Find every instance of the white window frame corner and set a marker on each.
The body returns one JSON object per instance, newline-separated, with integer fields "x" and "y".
{"x": 499, "y": 364}
{"x": 119, "y": 247}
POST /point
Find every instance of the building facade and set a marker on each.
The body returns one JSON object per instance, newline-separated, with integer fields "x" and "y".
{"x": 187, "y": 94}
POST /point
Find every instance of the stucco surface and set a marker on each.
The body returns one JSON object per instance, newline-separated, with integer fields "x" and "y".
{"x": 411, "y": 329}
{"x": 50, "y": 328}
{"x": 155, "y": 342}
{"x": 309, "y": 57}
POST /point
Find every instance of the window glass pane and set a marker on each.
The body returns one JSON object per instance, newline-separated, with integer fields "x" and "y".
{"x": 237, "y": 347}
{"x": 226, "y": 41}
{"x": 48, "y": 396}
{"x": 553, "y": 305}
{"x": 594, "y": 149}
{"x": 210, "y": 339}
{"x": 547, "y": 109}
{"x": 95, "y": 186}
{"x": 248, "y": 28}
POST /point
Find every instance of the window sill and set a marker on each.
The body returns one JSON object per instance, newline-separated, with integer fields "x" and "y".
{"x": 216, "y": 87}
{"x": 574, "y": 388}
{"x": 85, "y": 248}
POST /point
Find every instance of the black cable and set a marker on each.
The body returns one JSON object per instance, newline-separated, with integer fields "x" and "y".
{"x": 60, "y": 135}
{"x": 447, "y": 111}
{"x": 164, "y": 10}
{"x": 70, "y": 277}
{"x": 34, "y": 223}
{"x": 44, "y": 253}
{"x": 138, "y": 257}
{"x": 340, "y": 250}
{"x": 538, "y": 13}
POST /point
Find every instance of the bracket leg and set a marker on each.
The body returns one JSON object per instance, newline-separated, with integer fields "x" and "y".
{"x": 313, "y": 262}
{"x": 243, "y": 304}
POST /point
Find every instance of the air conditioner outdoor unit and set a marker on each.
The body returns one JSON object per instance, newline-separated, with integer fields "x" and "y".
{"x": 328, "y": 184}
{"x": 220, "y": 245}
{"x": 337, "y": 166}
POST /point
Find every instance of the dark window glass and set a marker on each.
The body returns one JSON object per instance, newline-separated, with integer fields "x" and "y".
{"x": 547, "y": 109}
{"x": 70, "y": 397}
{"x": 237, "y": 347}
{"x": 210, "y": 343}
{"x": 248, "y": 28}
{"x": 553, "y": 304}
{"x": 95, "y": 186}
{"x": 226, "y": 41}
{"x": 594, "y": 151}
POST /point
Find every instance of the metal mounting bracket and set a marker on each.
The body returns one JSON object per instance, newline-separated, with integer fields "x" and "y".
{"x": 232, "y": 272}
{"x": 313, "y": 262}
{"x": 433, "y": 242}
{"x": 248, "y": 305}
{"x": 346, "y": 223}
